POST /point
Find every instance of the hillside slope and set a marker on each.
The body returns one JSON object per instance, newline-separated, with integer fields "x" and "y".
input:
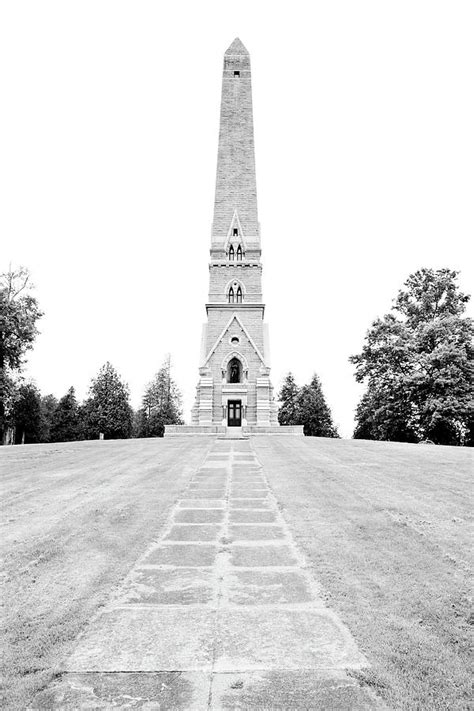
{"x": 384, "y": 528}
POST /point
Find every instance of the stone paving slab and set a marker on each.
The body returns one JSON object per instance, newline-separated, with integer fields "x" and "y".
{"x": 284, "y": 639}
{"x": 255, "y": 587}
{"x": 152, "y": 639}
{"x": 176, "y": 586}
{"x": 199, "y": 516}
{"x": 247, "y": 476}
{"x": 252, "y": 516}
{"x": 182, "y": 555}
{"x": 254, "y": 532}
{"x": 285, "y": 690}
{"x": 202, "y": 504}
{"x": 262, "y": 556}
{"x": 249, "y": 504}
{"x": 203, "y": 494}
{"x": 256, "y": 491}
{"x": 188, "y": 639}
{"x": 151, "y": 691}
{"x": 201, "y": 479}
{"x": 208, "y": 482}
{"x": 194, "y": 532}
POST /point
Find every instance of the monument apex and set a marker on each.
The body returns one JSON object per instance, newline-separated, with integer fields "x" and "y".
{"x": 236, "y": 188}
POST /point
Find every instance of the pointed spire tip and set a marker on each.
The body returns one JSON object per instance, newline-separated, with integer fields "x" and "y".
{"x": 237, "y": 48}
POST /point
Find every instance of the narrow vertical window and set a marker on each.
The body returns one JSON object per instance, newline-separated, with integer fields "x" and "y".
{"x": 231, "y": 253}
{"x": 239, "y": 295}
{"x": 239, "y": 253}
{"x": 231, "y": 296}
{"x": 235, "y": 231}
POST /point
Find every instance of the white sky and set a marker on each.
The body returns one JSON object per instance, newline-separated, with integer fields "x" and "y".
{"x": 364, "y": 116}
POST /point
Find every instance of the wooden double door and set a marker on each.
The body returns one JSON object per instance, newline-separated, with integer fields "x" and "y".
{"x": 234, "y": 413}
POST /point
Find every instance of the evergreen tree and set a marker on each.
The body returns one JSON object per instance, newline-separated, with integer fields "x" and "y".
{"x": 107, "y": 409}
{"x": 27, "y": 414}
{"x": 140, "y": 423}
{"x": 288, "y": 413}
{"x": 48, "y": 406}
{"x": 313, "y": 411}
{"x": 418, "y": 363}
{"x": 19, "y": 313}
{"x": 161, "y": 404}
{"x": 65, "y": 425}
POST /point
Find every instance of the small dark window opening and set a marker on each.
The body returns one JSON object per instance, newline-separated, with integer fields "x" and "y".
{"x": 231, "y": 295}
{"x": 235, "y": 231}
{"x": 239, "y": 253}
{"x": 236, "y": 74}
{"x": 231, "y": 252}
{"x": 239, "y": 295}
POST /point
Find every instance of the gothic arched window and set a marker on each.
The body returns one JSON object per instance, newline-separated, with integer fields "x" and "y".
{"x": 231, "y": 296}
{"x": 239, "y": 296}
{"x": 239, "y": 253}
{"x": 231, "y": 252}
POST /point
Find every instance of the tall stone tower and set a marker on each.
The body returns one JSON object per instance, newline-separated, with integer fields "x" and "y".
{"x": 234, "y": 372}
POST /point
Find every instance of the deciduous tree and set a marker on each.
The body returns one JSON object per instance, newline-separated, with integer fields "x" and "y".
{"x": 418, "y": 364}
{"x": 19, "y": 313}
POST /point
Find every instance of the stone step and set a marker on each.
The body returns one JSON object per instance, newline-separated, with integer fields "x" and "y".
{"x": 233, "y": 433}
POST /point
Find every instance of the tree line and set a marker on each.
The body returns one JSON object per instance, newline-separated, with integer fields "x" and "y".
{"x": 27, "y": 416}
{"x": 105, "y": 413}
{"x": 417, "y": 364}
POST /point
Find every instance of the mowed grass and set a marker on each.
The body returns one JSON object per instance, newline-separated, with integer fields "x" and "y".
{"x": 75, "y": 517}
{"x": 385, "y": 529}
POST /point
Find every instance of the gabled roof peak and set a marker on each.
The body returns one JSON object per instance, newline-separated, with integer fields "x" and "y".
{"x": 237, "y": 48}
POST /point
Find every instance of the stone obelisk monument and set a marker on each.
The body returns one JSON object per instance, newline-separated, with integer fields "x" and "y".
{"x": 234, "y": 386}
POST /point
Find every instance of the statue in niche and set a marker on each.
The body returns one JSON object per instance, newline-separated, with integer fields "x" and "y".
{"x": 234, "y": 371}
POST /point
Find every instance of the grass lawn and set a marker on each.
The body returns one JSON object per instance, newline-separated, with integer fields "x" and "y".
{"x": 75, "y": 517}
{"x": 385, "y": 529}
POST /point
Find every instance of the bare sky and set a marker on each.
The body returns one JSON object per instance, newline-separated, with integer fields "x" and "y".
{"x": 364, "y": 115}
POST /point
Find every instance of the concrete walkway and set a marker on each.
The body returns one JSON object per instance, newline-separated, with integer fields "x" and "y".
{"x": 219, "y": 613}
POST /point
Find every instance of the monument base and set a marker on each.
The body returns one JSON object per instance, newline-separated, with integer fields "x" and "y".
{"x": 220, "y": 430}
